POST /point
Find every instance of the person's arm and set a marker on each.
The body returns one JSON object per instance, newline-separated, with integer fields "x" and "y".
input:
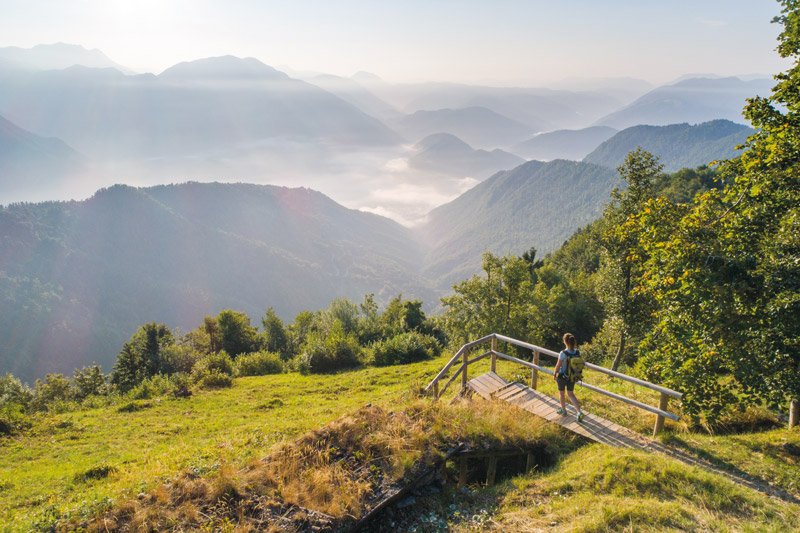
{"x": 558, "y": 367}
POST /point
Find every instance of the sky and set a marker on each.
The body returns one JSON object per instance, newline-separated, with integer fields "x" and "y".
{"x": 497, "y": 42}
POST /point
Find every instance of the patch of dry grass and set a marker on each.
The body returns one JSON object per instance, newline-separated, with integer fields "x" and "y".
{"x": 331, "y": 475}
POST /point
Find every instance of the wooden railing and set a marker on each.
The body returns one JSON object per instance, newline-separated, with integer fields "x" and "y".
{"x": 464, "y": 352}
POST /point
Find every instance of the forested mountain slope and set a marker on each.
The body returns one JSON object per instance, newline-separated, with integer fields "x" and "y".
{"x": 77, "y": 278}
{"x": 536, "y": 204}
{"x": 677, "y": 146}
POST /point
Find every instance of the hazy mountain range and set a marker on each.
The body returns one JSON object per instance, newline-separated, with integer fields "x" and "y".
{"x": 235, "y": 119}
{"x": 78, "y": 277}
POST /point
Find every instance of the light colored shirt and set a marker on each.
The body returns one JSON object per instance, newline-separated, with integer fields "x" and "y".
{"x": 563, "y": 358}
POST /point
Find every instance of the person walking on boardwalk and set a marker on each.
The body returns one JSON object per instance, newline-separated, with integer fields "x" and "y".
{"x": 564, "y": 378}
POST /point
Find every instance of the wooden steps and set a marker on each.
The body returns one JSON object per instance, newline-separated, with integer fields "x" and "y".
{"x": 492, "y": 387}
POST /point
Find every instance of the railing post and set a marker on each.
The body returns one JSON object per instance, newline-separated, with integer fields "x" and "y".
{"x": 494, "y": 356}
{"x": 435, "y": 390}
{"x": 465, "y": 358}
{"x": 534, "y": 372}
{"x": 662, "y": 404}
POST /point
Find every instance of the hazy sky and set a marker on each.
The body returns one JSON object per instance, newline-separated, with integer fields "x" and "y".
{"x": 491, "y": 41}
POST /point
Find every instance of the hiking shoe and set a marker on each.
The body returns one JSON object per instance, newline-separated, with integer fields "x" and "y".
{"x": 580, "y": 417}
{"x": 561, "y": 411}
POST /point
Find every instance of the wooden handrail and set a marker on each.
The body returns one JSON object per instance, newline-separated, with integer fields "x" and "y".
{"x": 619, "y": 375}
{"x": 660, "y": 411}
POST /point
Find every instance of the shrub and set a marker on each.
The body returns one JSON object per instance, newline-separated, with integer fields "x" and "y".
{"x": 219, "y": 362}
{"x": 327, "y": 353}
{"x": 14, "y": 391}
{"x": 179, "y": 358}
{"x": 151, "y": 387}
{"x": 405, "y": 348}
{"x": 13, "y": 418}
{"x": 259, "y": 364}
{"x": 89, "y": 381}
{"x": 216, "y": 380}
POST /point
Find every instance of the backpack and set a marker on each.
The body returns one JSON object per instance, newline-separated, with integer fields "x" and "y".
{"x": 575, "y": 364}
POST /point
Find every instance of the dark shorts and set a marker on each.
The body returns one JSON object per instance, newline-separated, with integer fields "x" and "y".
{"x": 564, "y": 383}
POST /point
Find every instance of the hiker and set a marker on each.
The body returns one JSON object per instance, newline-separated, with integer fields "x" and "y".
{"x": 563, "y": 376}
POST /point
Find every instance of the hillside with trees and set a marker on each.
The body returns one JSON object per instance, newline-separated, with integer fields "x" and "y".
{"x": 536, "y": 204}
{"x": 677, "y": 145}
{"x": 77, "y": 277}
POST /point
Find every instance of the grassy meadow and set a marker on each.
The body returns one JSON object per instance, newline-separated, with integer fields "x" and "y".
{"x": 74, "y": 465}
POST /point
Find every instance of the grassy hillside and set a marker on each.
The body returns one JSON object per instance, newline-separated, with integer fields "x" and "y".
{"x": 136, "y": 458}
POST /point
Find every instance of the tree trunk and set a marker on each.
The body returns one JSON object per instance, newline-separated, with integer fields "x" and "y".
{"x": 794, "y": 413}
{"x": 620, "y": 350}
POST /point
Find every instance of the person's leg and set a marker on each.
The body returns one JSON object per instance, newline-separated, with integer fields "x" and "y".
{"x": 561, "y": 386}
{"x": 574, "y": 400}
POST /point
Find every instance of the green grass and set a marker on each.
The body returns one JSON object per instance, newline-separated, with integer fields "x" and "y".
{"x": 73, "y": 464}
{"x": 42, "y": 473}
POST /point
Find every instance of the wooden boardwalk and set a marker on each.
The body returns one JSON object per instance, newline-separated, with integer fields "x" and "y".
{"x": 492, "y": 387}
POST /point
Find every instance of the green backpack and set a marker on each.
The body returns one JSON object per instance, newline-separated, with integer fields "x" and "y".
{"x": 575, "y": 364}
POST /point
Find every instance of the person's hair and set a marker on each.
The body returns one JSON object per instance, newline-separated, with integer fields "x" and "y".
{"x": 569, "y": 341}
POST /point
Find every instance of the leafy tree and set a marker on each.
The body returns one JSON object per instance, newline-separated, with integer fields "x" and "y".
{"x": 89, "y": 381}
{"x": 12, "y": 390}
{"x": 332, "y": 351}
{"x": 725, "y": 271}
{"x": 142, "y": 356}
{"x": 236, "y": 334}
{"x": 496, "y": 302}
{"x": 55, "y": 388}
{"x": 275, "y": 338}
{"x": 627, "y": 310}
{"x": 299, "y": 330}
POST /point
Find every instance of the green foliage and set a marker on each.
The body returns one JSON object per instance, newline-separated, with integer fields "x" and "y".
{"x": 89, "y": 381}
{"x": 12, "y": 390}
{"x": 55, "y": 388}
{"x": 627, "y": 309}
{"x": 237, "y": 335}
{"x": 96, "y": 472}
{"x": 405, "y": 348}
{"x": 274, "y": 335}
{"x": 216, "y": 379}
{"x": 13, "y": 418}
{"x": 725, "y": 271}
{"x": 142, "y": 356}
{"x": 536, "y": 306}
{"x": 259, "y": 364}
{"x": 215, "y": 362}
{"x": 325, "y": 353}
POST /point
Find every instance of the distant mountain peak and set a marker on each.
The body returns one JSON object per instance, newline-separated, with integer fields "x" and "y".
{"x": 223, "y": 68}
{"x": 368, "y": 77}
{"x": 441, "y": 140}
{"x": 58, "y": 56}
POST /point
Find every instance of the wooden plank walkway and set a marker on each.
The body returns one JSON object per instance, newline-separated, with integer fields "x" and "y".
{"x": 492, "y": 387}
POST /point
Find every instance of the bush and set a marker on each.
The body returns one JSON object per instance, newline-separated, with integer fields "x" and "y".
{"x": 215, "y": 362}
{"x": 13, "y": 418}
{"x": 327, "y": 353}
{"x": 216, "y": 380}
{"x": 259, "y": 364}
{"x": 179, "y": 359}
{"x": 151, "y": 387}
{"x": 405, "y": 348}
